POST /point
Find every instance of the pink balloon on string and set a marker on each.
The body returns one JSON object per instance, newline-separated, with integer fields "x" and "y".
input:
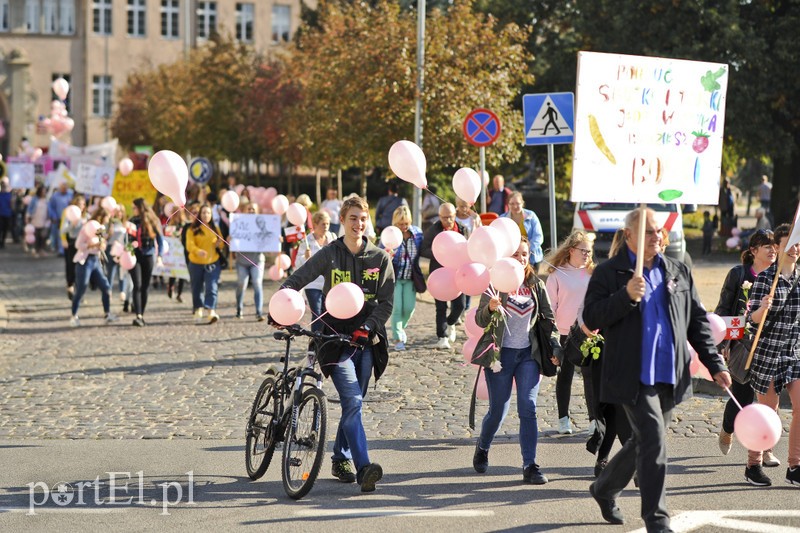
{"x": 91, "y": 228}
{"x": 125, "y": 166}
{"x": 61, "y": 88}
{"x": 30, "y": 229}
{"x": 344, "y": 300}
{"x": 697, "y": 368}
{"x": 447, "y": 249}
{"x": 509, "y": 231}
{"x": 736, "y": 232}
{"x": 472, "y": 327}
{"x": 30, "y": 238}
{"x": 758, "y": 427}
{"x": 485, "y": 245}
{"x": 297, "y": 214}
{"x": 467, "y": 185}
{"x": 391, "y": 237}
{"x": 442, "y": 284}
{"x": 286, "y": 307}
{"x": 127, "y": 261}
{"x": 117, "y": 249}
{"x": 283, "y": 261}
{"x": 473, "y": 279}
{"x": 407, "y": 160}
{"x": 507, "y": 274}
{"x": 275, "y": 272}
{"x": 109, "y": 204}
{"x": 482, "y": 392}
{"x": 732, "y": 242}
{"x": 169, "y": 208}
{"x": 280, "y": 204}
{"x": 230, "y": 201}
{"x": 718, "y": 327}
{"x": 169, "y": 175}
{"x": 72, "y": 213}
{"x": 468, "y": 350}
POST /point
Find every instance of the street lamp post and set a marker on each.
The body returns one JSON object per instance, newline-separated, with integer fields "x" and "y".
{"x": 417, "y": 200}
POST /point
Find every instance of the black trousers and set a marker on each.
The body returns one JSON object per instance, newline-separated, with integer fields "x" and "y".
{"x": 5, "y": 227}
{"x": 141, "y": 275}
{"x": 443, "y": 319}
{"x": 69, "y": 262}
{"x": 645, "y": 452}
{"x": 745, "y": 395}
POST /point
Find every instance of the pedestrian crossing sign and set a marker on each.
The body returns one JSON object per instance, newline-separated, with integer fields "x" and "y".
{"x": 549, "y": 118}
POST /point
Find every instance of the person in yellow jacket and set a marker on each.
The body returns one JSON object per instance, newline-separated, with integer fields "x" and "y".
{"x": 204, "y": 246}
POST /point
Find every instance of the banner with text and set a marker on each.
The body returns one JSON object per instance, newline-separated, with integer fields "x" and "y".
{"x": 95, "y": 180}
{"x": 134, "y": 185}
{"x": 255, "y": 233}
{"x": 174, "y": 261}
{"x": 648, "y": 129}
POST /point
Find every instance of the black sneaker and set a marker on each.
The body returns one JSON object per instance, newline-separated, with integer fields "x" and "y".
{"x": 793, "y": 475}
{"x": 138, "y": 321}
{"x": 480, "y": 461}
{"x": 531, "y": 474}
{"x": 755, "y": 476}
{"x": 608, "y": 508}
{"x": 343, "y": 470}
{"x": 368, "y": 476}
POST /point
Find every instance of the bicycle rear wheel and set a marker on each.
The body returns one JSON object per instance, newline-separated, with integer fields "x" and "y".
{"x": 304, "y": 446}
{"x": 261, "y": 430}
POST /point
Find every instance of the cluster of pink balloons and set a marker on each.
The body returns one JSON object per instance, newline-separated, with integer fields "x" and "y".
{"x": 126, "y": 259}
{"x": 30, "y": 233}
{"x": 278, "y": 270}
{"x": 59, "y": 121}
{"x": 259, "y": 195}
{"x": 343, "y": 301}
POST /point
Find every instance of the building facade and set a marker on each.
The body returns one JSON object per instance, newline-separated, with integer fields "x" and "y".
{"x": 95, "y": 44}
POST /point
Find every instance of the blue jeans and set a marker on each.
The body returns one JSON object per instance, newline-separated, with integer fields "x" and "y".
{"x": 351, "y": 379}
{"x": 55, "y": 238}
{"x": 317, "y": 304}
{"x": 255, "y": 274}
{"x": 208, "y": 276}
{"x": 91, "y": 269}
{"x": 517, "y": 366}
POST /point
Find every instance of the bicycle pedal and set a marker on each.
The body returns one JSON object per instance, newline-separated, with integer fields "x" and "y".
{"x": 294, "y": 461}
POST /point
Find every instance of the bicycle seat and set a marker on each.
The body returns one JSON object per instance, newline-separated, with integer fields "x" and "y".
{"x": 281, "y": 335}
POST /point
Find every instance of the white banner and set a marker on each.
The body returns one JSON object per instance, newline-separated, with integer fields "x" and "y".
{"x": 94, "y": 180}
{"x": 21, "y": 175}
{"x": 648, "y": 129}
{"x": 255, "y": 233}
{"x": 173, "y": 259}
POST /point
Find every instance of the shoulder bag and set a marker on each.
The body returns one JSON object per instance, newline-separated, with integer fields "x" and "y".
{"x": 543, "y": 328}
{"x": 572, "y": 346}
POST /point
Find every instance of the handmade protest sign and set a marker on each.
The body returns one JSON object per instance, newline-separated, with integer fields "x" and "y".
{"x": 95, "y": 180}
{"x": 648, "y": 129}
{"x": 255, "y": 233}
{"x": 173, "y": 260}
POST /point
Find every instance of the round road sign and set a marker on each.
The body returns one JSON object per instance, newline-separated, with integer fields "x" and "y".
{"x": 200, "y": 170}
{"x": 481, "y": 127}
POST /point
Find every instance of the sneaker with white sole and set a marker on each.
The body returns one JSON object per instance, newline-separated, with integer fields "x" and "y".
{"x": 400, "y": 346}
{"x": 74, "y": 321}
{"x": 793, "y": 476}
{"x": 198, "y": 316}
{"x": 213, "y": 317}
{"x": 755, "y": 476}
{"x": 450, "y": 333}
{"x": 111, "y": 317}
{"x": 443, "y": 344}
{"x": 770, "y": 459}
{"x": 725, "y": 441}
{"x": 564, "y": 427}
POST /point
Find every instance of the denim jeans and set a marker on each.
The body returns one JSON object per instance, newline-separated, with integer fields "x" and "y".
{"x": 55, "y": 237}
{"x": 205, "y": 276}
{"x": 351, "y": 379}
{"x": 520, "y": 367}
{"x": 91, "y": 269}
{"x": 317, "y": 304}
{"x": 254, "y": 274}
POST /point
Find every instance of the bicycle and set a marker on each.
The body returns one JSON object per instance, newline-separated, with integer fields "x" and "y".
{"x": 290, "y": 407}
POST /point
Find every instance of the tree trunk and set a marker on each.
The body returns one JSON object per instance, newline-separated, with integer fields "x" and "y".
{"x": 363, "y": 183}
{"x": 785, "y": 187}
{"x": 318, "y": 176}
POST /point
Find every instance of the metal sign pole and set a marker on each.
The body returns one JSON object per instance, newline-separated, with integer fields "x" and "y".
{"x": 552, "y": 184}
{"x": 483, "y": 171}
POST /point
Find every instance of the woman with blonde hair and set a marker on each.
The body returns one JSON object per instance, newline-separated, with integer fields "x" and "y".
{"x": 320, "y": 237}
{"x": 569, "y": 267}
{"x": 404, "y": 260}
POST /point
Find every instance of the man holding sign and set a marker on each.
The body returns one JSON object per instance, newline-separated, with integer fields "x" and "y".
{"x": 646, "y": 320}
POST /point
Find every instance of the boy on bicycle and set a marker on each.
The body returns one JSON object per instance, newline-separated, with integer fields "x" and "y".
{"x": 353, "y": 258}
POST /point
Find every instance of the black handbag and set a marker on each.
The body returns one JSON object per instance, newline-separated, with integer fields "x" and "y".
{"x": 543, "y": 328}
{"x": 418, "y": 278}
{"x": 572, "y": 346}
{"x": 738, "y": 353}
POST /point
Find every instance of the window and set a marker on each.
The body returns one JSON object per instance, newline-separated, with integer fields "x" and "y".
{"x": 50, "y": 16}
{"x": 67, "y": 17}
{"x": 136, "y": 14}
{"x": 101, "y": 96}
{"x": 169, "y": 19}
{"x": 244, "y": 22}
{"x": 206, "y": 19}
{"x": 281, "y": 23}
{"x": 101, "y": 17}
{"x": 4, "y": 15}
{"x": 33, "y": 16}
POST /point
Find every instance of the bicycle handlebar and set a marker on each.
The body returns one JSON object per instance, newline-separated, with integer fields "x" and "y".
{"x": 297, "y": 331}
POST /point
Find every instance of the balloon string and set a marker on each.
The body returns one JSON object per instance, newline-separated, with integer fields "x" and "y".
{"x": 436, "y": 195}
{"x": 733, "y": 398}
{"x": 220, "y": 237}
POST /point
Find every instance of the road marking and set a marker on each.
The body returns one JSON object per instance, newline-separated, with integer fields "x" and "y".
{"x": 736, "y": 520}
{"x": 42, "y": 510}
{"x": 360, "y": 513}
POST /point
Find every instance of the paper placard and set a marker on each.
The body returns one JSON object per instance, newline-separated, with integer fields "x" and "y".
{"x": 21, "y": 175}
{"x": 255, "y": 233}
{"x": 648, "y": 129}
{"x": 173, "y": 259}
{"x": 95, "y": 180}
{"x": 134, "y": 185}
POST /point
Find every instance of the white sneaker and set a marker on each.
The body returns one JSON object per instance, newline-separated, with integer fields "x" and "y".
{"x": 769, "y": 459}
{"x": 400, "y": 346}
{"x": 111, "y": 317}
{"x": 450, "y": 333}
{"x": 443, "y": 344}
{"x": 74, "y": 321}
{"x": 198, "y": 316}
{"x": 213, "y": 317}
{"x": 564, "y": 427}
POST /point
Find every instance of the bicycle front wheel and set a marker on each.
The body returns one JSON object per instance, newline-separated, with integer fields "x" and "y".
{"x": 261, "y": 430}
{"x": 304, "y": 444}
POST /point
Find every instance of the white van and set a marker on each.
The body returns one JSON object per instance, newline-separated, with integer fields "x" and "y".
{"x": 604, "y": 219}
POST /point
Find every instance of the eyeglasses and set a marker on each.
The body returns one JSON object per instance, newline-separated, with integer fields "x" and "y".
{"x": 584, "y": 252}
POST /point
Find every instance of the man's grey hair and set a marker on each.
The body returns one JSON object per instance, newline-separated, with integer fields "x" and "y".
{"x": 632, "y": 219}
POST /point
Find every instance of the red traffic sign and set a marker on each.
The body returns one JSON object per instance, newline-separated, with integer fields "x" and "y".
{"x": 481, "y": 127}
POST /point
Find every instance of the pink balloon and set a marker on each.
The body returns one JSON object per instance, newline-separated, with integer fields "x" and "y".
{"x": 169, "y": 175}
{"x": 239, "y": 189}
{"x": 127, "y": 261}
{"x": 125, "y": 166}
{"x": 473, "y": 279}
{"x": 344, "y": 300}
{"x": 269, "y": 192}
{"x": 37, "y": 153}
{"x": 718, "y": 327}
{"x": 507, "y": 274}
{"x": 91, "y": 228}
{"x": 510, "y": 234}
{"x": 391, "y": 237}
{"x": 283, "y": 262}
{"x": 442, "y": 284}
{"x": 30, "y": 229}
{"x": 467, "y": 185}
{"x": 230, "y": 201}
{"x": 472, "y": 327}
{"x": 407, "y": 160}
{"x": 736, "y": 232}
{"x": 280, "y": 204}
{"x": 468, "y": 350}
{"x": 69, "y": 124}
{"x": 109, "y": 204}
{"x": 72, "y": 213}
{"x": 275, "y": 272}
{"x": 482, "y": 392}
{"x": 697, "y": 368}
{"x": 297, "y": 214}
{"x": 485, "y": 179}
{"x": 757, "y": 427}
{"x": 733, "y": 242}
{"x": 485, "y": 245}
{"x": 30, "y": 238}
{"x": 117, "y": 249}
{"x": 61, "y": 88}
{"x": 169, "y": 208}
{"x": 448, "y": 249}
{"x": 286, "y": 307}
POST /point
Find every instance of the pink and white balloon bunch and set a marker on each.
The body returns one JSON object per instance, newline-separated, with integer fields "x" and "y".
{"x": 59, "y": 121}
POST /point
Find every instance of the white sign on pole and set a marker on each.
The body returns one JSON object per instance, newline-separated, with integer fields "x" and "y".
{"x": 21, "y": 175}
{"x": 648, "y": 129}
{"x": 95, "y": 180}
{"x": 173, "y": 259}
{"x": 255, "y": 233}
